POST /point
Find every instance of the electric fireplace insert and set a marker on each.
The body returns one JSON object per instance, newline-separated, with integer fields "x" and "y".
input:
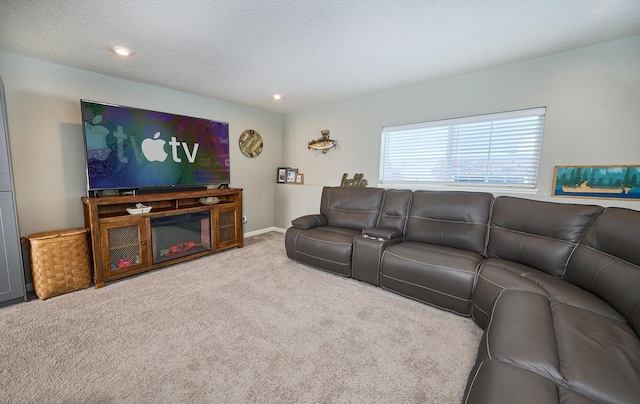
{"x": 180, "y": 235}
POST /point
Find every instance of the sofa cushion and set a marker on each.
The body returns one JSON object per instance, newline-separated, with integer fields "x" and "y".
{"x": 600, "y": 357}
{"x": 395, "y": 208}
{"x": 499, "y": 382}
{"x": 594, "y": 355}
{"x": 538, "y": 234}
{"x": 437, "y": 275}
{"x": 607, "y": 262}
{"x": 564, "y": 292}
{"x": 452, "y": 219}
{"x": 351, "y": 207}
{"x": 494, "y": 276}
{"x": 521, "y": 332}
{"x": 325, "y": 247}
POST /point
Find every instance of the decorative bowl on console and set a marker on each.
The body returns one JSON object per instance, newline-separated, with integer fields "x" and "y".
{"x": 139, "y": 208}
{"x": 211, "y": 200}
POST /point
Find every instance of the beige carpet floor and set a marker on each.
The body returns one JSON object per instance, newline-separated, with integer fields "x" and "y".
{"x": 244, "y": 325}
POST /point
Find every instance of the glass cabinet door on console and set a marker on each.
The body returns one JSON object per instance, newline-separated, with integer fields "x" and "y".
{"x": 125, "y": 246}
{"x": 227, "y": 225}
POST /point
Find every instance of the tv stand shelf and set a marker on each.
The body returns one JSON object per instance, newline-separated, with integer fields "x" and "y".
{"x": 116, "y": 234}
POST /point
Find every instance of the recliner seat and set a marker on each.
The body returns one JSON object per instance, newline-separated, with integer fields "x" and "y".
{"x": 444, "y": 242}
{"x": 325, "y": 240}
{"x": 527, "y": 238}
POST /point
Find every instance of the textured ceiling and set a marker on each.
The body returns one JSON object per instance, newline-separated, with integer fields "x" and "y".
{"x": 313, "y": 52}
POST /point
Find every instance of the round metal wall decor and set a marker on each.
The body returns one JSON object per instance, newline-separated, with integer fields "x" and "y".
{"x": 250, "y": 143}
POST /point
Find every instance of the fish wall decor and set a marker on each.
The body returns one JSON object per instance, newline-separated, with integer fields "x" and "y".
{"x": 323, "y": 143}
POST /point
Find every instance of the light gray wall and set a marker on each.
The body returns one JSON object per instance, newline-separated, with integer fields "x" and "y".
{"x": 592, "y": 97}
{"x": 45, "y": 132}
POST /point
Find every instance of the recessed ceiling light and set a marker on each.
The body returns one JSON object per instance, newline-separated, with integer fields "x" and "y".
{"x": 276, "y": 96}
{"x": 121, "y": 51}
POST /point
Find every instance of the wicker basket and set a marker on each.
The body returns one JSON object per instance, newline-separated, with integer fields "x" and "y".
{"x": 60, "y": 262}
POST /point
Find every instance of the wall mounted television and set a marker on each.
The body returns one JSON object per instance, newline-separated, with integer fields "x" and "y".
{"x": 133, "y": 149}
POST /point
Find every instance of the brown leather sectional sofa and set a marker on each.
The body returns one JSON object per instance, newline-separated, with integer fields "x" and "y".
{"x": 555, "y": 286}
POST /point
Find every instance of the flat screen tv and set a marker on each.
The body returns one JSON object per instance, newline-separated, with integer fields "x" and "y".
{"x": 136, "y": 149}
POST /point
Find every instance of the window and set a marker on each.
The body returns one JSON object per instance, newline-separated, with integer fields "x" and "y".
{"x": 497, "y": 151}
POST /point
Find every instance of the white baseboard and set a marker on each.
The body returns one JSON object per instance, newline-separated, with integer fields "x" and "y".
{"x": 267, "y": 230}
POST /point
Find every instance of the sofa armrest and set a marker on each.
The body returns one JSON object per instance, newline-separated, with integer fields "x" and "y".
{"x": 382, "y": 233}
{"x": 309, "y": 221}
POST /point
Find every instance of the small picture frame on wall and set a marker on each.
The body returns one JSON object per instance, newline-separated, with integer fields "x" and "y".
{"x": 282, "y": 175}
{"x": 291, "y": 175}
{"x": 300, "y": 178}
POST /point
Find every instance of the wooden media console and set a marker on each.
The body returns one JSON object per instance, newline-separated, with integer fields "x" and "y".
{"x": 178, "y": 228}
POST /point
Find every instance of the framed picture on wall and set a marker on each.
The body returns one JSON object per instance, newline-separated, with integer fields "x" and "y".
{"x": 291, "y": 175}
{"x": 300, "y": 178}
{"x": 607, "y": 182}
{"x": 282, "y": 175}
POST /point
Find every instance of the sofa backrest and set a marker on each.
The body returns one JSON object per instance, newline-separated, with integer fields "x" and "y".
{"x": 351, "y": 207}
{"x": 538, "y": 234}
{"x": 607, "y": 262}
{"x": 395, "y": 208}
{"x": 450, "y": 218}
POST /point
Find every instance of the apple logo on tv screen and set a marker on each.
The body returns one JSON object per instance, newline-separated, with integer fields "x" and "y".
{"x": 136, "y": 148}
{"x": 153, "y": 150}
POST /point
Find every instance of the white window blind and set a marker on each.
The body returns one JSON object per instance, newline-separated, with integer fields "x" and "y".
{"x": 499, "y": 150}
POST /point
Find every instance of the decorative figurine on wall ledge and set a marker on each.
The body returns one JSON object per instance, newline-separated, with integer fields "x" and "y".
{"x": 357, "y": 181}
{"x": 323, "y": 143}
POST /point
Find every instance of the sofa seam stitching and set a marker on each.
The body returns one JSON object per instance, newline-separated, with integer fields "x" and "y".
{"x": 427, "y": 288}
{"x": 434, "y": 266}
{"x": 571, "y": 243}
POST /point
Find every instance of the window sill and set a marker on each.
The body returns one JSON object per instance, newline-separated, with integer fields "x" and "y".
{"x": 489, "y": 188}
